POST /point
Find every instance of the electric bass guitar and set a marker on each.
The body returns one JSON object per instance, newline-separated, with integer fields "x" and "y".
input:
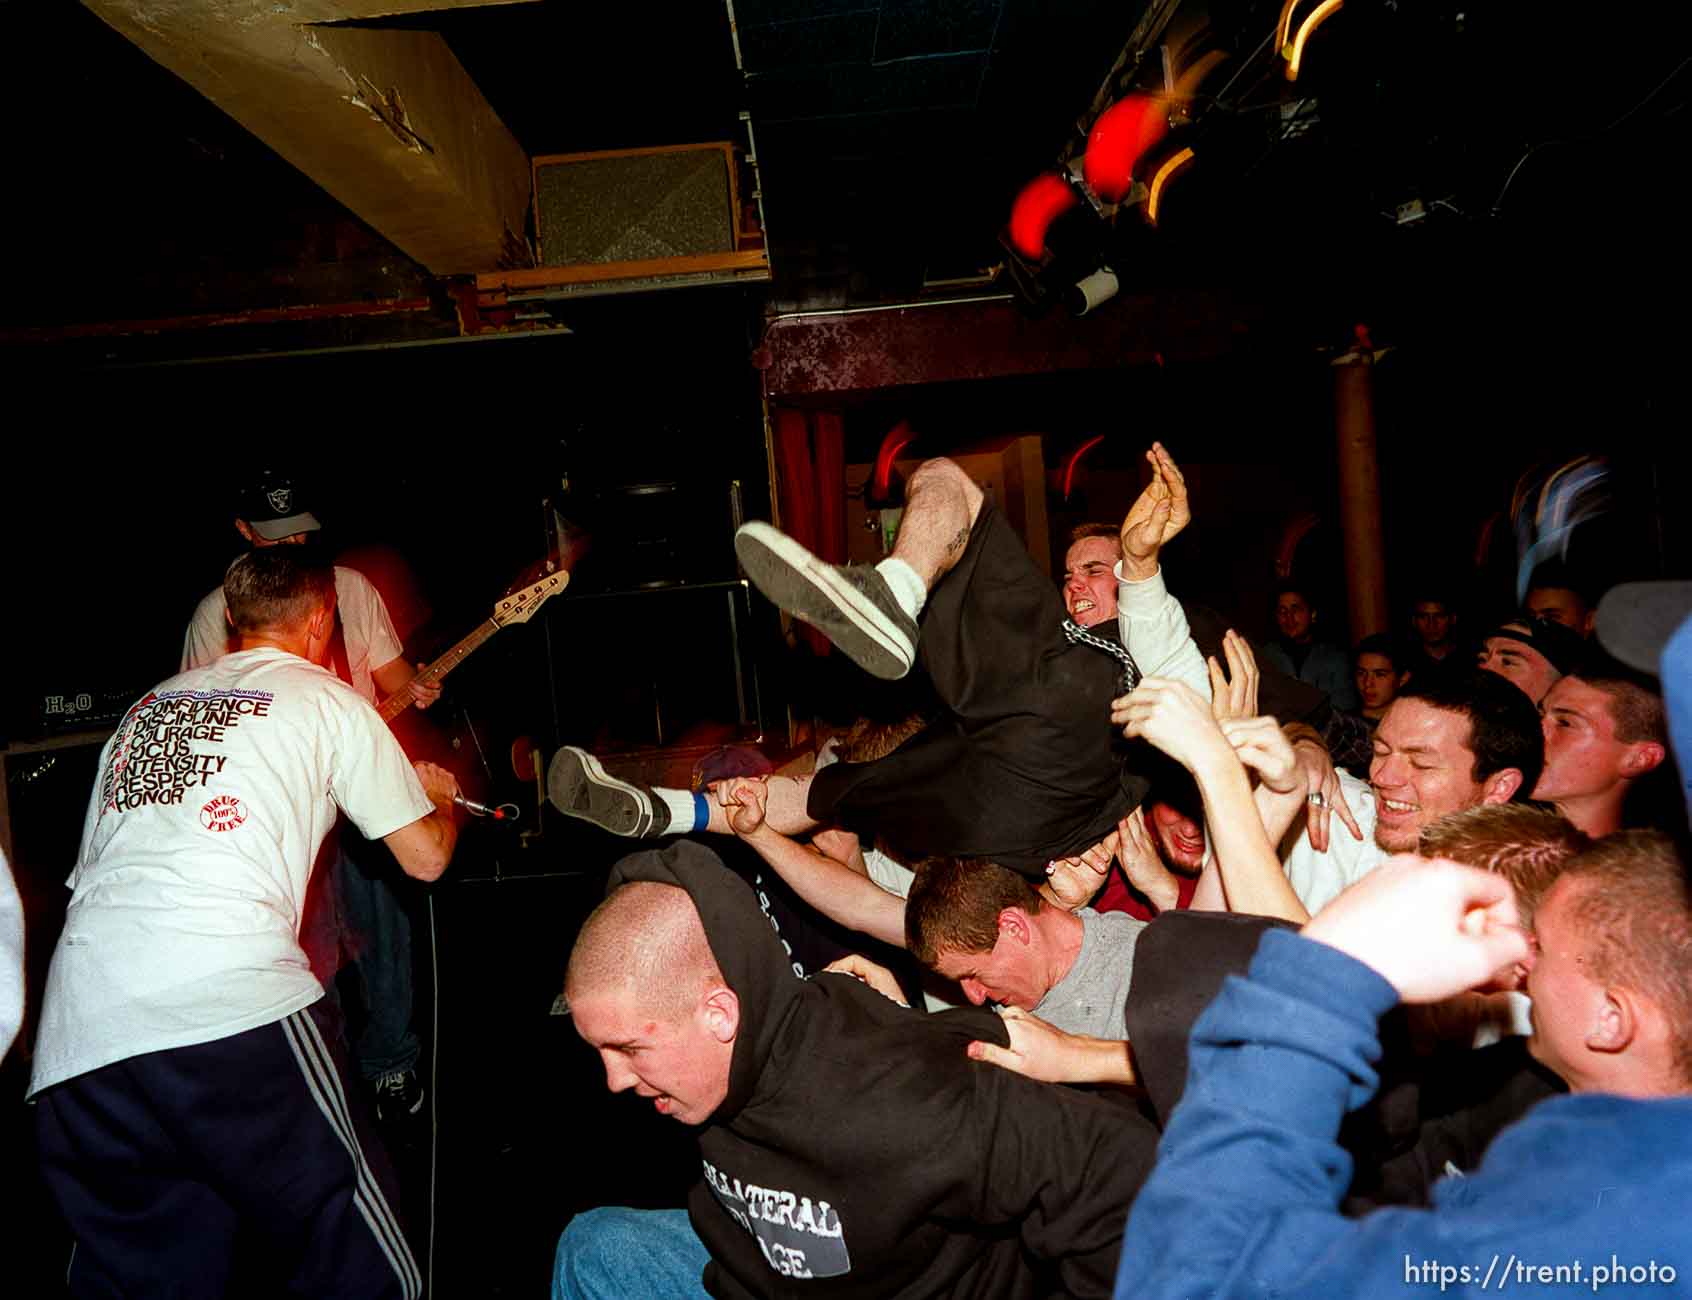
{"x": 518, "y": 607}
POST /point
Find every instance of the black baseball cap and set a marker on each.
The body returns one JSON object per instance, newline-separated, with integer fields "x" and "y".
{"x": 271, "y": 507}
{"x": 1563, "y": 648}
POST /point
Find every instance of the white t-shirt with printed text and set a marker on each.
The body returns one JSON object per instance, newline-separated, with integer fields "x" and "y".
{"x": 212, "y": 799}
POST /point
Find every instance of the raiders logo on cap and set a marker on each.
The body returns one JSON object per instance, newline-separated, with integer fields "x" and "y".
{"x": 271, "y": 509}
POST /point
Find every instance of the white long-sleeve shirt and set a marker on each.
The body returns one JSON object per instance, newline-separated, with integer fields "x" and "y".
{"x": 1154, "y": 629}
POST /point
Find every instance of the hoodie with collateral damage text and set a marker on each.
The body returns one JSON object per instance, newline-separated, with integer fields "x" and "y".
{"x": 860, "y": 1152}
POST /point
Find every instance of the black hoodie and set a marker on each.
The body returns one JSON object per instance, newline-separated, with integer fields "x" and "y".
{"x": 860, "y": 1152}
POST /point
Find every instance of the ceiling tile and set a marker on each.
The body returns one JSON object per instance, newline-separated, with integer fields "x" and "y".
{"x": 836, "y": 38}
{"x": 909, "y": 31}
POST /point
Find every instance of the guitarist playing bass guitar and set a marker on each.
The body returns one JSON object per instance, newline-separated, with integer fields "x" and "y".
{"x": 368, "y": 655}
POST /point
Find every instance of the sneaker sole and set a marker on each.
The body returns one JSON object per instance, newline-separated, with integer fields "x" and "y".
{"x": 810, "y": 589}
{"x": 579, "y": 787}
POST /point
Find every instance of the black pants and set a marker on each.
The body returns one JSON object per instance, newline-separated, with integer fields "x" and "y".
{"x": 158, "y": 1162}
{"x": 1024, "y": 766}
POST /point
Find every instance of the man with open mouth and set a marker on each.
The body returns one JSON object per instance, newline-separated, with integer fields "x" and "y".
{"x": 1446, "y": 744}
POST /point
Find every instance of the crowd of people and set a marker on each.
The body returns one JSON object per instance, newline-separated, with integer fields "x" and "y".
{"x": 1280, "y": 972}
{"x": 1238, "y": 971}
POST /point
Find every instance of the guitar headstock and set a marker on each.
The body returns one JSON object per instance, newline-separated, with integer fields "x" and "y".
{"x": 520, "y": 605}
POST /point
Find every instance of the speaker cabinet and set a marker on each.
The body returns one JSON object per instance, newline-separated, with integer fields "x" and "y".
{"x": 628, "y": 220}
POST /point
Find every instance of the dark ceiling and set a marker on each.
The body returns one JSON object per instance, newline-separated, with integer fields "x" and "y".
{"x": 892, "y": 136}
{"x": 1537, "y": 303}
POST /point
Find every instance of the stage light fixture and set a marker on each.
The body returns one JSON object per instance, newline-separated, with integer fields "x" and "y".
{"x": 1042, "y": 201}
{"x": 1092, "y": 290}
{"x": 1154, "y": 192}
{"x": 1118, "y": 140}
{"x": 1293, "y": 51}
{"x": 1284, "y": 24}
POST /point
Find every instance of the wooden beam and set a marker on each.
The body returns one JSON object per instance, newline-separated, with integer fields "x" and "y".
{"x": 387, "y": 121}
{"x": 546, "y": 277}
{"x": 844, "y": 353}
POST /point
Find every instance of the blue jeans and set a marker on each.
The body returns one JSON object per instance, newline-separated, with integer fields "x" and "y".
{"x": 377, "y": 933}
{"x": 614, "y": 1253}
{"x": 355, "y": 908}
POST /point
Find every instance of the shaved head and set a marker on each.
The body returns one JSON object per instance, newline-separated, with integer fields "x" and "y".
{"x": 645, "y": 939}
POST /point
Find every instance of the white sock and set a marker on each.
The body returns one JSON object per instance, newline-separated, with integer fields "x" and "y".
{"x": 907, "y": 585}
{"x": 681, "y": 806}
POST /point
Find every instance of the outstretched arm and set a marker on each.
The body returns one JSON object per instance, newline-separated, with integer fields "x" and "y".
{"x": 1317, "y": 776}
{"x": 1157, "y": 515}
{"x": 1234, "y": 696}
{"x": 783, "y": 804}
{"x": 1177, "y": 720}
{"x": 424, "y": 848}
{"x": 1152, "y": 624}
{"x": 1244, "y": 1200}
{"x": 1045, "y": 1052}
{"x": 833, "y": 888}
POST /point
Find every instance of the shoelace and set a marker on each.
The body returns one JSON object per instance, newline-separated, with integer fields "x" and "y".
{"x": 1078, "y": 635}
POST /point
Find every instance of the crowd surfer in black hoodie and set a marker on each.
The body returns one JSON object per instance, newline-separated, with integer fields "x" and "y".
{"x": 849, "y": 1146}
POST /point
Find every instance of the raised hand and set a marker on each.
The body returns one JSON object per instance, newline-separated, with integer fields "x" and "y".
{"x": 1263, "y": 747}
{"x": 1137, "y": 851}
{"x": 1430, "y": 929}
{"x": 1324, "y": 794}
{"x": 1234, "y": 694}
{"x": 1159, "y": 513}
{"x": 1172, "y": 716}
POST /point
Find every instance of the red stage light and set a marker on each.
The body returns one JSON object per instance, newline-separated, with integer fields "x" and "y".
{"x": 1042, "y": 201}
{"x": 1118, "y": 140}
{"x": 1074, "y": 462}
{"x": 895, "y": 441}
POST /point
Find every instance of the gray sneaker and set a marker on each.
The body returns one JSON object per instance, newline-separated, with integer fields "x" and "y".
{"x": 579, "y": 787}
{"x": 851, "y": 605}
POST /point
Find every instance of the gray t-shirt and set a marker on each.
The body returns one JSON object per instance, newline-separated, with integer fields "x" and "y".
{"x": 1092, "y": 998}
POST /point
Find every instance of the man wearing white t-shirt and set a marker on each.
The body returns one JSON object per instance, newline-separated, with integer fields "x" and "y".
{"x": 1451, "y": 743}
{"x": 272, "y": 515}
{"x": 186, "y": 1093}
{"x": 357, "y": 897}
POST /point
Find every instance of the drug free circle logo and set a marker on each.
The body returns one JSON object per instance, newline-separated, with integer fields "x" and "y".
{"x": 223, "y": 813}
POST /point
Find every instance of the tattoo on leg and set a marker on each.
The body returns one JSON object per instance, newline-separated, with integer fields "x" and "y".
{"x": 957, "y": 543}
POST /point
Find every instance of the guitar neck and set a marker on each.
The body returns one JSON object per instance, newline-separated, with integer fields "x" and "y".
{"x": 400, "y": 700}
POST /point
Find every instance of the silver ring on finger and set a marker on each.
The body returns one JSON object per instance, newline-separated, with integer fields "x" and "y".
{"x": 1317, "y": 799}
